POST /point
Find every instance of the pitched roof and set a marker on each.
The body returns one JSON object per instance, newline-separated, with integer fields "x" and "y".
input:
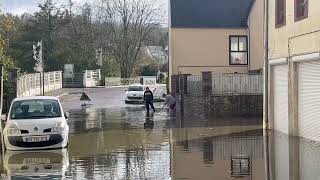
{"x": 210, "y": 13}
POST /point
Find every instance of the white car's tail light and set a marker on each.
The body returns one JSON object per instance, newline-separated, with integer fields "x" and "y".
{"x": 59, "y": 127}
{"x": 13, "y": 129}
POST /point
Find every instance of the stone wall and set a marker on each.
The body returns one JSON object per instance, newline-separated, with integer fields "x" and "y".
{"x": 200, "y": 106}
{"x": 236, "y": 105}
{"x": 211, "y": 105}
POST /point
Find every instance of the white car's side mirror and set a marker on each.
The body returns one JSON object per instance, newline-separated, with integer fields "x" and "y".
{"x": 66, "y": 115}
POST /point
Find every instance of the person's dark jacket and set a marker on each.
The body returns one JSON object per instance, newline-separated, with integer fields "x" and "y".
{"x": 148, "y": 96}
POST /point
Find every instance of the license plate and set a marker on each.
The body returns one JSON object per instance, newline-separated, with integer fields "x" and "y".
{"x": 36, "y": 160}
{"x": 36, "y": 139}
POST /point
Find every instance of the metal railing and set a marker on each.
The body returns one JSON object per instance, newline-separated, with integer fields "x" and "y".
{"x": 194, "y": 84}
{"x": 117, "y": 81}
{"x": 237, "y": 84}
{"x": 30, "y": 84}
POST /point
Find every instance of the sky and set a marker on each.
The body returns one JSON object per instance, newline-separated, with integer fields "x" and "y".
{"x": 19, "y": 7}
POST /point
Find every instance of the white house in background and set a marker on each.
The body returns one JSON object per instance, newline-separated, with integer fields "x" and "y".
{"x": 157, "y": 53}
{"x": 294, "y": 67}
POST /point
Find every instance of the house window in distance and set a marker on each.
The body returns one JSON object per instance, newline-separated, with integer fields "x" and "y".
{"x": 238, "y": 51}
{"x": 280, "y": 13}
{"x": 300, "y": 9}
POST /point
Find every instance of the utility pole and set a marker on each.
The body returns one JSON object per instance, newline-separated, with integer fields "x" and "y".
{"x": 41, "y": 56}
{"x": 39, "y": 65}
{"x": 1, "y": 89}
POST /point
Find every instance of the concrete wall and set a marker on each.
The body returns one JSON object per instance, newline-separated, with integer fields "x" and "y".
{"x": 279, "y": 37}
{"x": 195, "y": 50}
{"x": 255, "y": 23}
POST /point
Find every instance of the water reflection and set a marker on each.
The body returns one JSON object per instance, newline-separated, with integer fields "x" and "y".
{"x": 292, "y": 158}
{"x": 224, "y": 157}
{"x": 124, "y": 143}
{"x": 36, "y": 164}
{"x": 149, "y": 124}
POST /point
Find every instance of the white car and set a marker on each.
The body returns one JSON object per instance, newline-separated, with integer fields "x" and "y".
{"x": 36, "y": 123}
{"x": 134, "y": 94}
{"x": 158, "y": 92}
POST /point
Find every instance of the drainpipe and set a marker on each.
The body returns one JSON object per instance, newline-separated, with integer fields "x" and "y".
{"x": 266, "y": 66}
{"x": 266, "y": 90}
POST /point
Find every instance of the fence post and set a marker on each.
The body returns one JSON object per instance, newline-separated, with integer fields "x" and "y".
{"x": 54, "y": 80}
{"x": 29, "y": 84}
{"x": 185, "y": 83}
{"x": 207, "y": 91}
{"x": 180, "y": 83}
{"x": 60, "y": 79}
{"x": 174, "y": 83}
{"x": 12, "y": 86}
{"x": 207, "y": 83}
{"x": 1, "y": 88}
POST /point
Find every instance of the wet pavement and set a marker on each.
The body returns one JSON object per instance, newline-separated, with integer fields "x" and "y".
{"x": 112, "y": 140}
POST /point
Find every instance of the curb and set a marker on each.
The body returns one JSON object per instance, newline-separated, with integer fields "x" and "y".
{"x": 107, "y": 87}
{"x": 62, "y": 95}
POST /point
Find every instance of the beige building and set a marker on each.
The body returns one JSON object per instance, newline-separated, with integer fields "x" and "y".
{"x": 221, "y": 36}
{"x": 294, "y": 67}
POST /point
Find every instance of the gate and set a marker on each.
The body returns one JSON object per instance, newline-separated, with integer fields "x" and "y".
{"x": 73, "y": 82}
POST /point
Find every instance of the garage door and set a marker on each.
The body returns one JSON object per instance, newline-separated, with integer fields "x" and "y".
{"x": 309, "y": 99}
{"x": 280, "y": 96}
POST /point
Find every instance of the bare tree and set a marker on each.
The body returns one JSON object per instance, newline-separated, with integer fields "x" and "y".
{"x": 128, "y": 24}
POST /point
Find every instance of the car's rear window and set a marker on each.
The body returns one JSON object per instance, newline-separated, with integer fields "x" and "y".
{"x": 135, "y": 88}
{"x": 35, "y": 109}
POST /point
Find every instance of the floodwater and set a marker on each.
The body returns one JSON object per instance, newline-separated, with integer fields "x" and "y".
{"x": 122, "y": 143}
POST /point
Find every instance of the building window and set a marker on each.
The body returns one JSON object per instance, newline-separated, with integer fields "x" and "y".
{"x": 238, "y": 50}
{"x": 280, "y": 13}
{"x": 300, "y": 9}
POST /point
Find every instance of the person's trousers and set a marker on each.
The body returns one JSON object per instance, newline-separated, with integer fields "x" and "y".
{"x": 148, "y": 104}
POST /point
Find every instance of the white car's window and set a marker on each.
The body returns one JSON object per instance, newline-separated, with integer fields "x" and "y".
{"x": 35, "y": 109}
{"x": 135, "y": 88}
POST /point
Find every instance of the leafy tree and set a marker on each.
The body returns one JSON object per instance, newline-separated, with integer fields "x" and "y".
{"x": 110, "y": 67}
{"x": 6, "y": 26}
{"x": 72, "y": 33}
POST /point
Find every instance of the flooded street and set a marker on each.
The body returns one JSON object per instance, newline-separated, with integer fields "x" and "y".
{"x": 118, "y": 141}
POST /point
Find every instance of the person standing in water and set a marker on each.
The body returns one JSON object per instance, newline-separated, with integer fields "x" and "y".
{"x": 170, "y": 101}
{"x": 148, "y": 98}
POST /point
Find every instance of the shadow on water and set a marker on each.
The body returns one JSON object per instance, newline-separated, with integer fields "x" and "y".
{"x": 124, "y": 143}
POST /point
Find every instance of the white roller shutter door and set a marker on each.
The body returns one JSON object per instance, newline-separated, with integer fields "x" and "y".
{"x": 280, "y": 97}
{"x": 309, "y": 99}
